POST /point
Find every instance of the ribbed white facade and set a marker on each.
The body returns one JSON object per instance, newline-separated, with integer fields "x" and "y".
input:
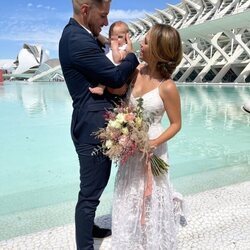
{"x": 215, "y": 35}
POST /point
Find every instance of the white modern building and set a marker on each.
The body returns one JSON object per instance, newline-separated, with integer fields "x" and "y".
{"x": 29, "y": 58}
{"x": 215, "y": 35}
{"x": 32, "y": 64}
{"x": 49, "y": 71}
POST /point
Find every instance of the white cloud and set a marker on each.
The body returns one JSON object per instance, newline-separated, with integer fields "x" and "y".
{"x": 45, "y": 27}
{"x": 32, "y": 32}
{"x": 125, "y": 14}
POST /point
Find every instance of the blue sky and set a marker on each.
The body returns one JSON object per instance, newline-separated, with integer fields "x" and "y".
{"x": 42, "y": 21}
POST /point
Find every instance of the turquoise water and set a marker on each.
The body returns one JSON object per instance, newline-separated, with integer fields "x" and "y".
{"x": 39, "y": 168}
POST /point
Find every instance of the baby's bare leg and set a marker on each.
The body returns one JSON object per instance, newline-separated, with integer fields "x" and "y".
{"x": 97, "y": 90}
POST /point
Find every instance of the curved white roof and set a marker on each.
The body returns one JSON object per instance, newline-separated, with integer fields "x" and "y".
{"x": 30, "y": 56}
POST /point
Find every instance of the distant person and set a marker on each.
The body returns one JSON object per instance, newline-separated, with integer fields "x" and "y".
{"x": 141, "y": 221}
{"x": 84, "y": 64}
{"x": 115, "y": 50}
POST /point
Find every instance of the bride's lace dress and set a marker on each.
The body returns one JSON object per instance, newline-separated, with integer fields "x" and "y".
{"x": 159, "y": 230}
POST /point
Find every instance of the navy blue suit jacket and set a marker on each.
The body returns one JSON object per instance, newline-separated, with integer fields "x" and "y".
{"x": 84, "y": 64}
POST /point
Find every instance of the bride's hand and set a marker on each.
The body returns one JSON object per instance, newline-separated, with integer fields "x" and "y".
{"x": 129, "y": 48}
{"x": 149, "y": 150}
{"x": 152, "y": 145}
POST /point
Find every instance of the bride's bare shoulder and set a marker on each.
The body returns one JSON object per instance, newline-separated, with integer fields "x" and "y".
{"x": 168, "y": 88}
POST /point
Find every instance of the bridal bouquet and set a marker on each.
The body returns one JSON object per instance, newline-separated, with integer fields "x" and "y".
{"x": 126, "y": 133}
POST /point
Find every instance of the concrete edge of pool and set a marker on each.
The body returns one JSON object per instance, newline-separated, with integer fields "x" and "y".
{"x": 217, "y": 219}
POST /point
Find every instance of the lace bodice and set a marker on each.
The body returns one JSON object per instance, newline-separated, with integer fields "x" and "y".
{"x": 153, "y": 107}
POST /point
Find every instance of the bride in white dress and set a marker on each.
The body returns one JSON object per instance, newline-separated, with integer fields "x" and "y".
{"x": 161, "y": 50}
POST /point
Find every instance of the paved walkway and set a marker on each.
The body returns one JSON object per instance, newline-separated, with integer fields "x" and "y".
{"x": 218, "y": 219}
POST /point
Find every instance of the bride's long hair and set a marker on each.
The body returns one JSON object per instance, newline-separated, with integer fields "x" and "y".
{"x": 165, "y": 49}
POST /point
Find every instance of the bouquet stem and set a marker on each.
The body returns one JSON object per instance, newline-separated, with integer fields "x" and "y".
{"x": 158, "y": 165}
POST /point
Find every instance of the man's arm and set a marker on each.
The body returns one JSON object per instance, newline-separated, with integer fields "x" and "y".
{"x": 92, "y": 62}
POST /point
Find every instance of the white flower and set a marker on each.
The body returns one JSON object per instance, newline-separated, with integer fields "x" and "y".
{"x": 120, "y": 118}
{"x": 114, "y": 124}
{"x": 109, "y": 144}
{"x": 138, "y": 121}
{"x": 125, "y": 131}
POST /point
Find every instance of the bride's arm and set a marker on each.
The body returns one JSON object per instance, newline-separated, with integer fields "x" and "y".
{"x": 171, "y": 99}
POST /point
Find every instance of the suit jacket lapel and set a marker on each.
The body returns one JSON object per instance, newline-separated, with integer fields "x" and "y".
{"x": 72, "y": 21}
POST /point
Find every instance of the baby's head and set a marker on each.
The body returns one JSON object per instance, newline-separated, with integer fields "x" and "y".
{"x": 118, "y": 30}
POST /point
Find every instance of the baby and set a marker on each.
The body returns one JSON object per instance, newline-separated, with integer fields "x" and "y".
{"x": 115, "y": 50}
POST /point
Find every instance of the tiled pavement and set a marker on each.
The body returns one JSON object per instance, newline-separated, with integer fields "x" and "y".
{"x": 217, "y": 219}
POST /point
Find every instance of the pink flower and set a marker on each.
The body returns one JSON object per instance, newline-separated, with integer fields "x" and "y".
{"x": 129, "y": 117}
{"x": 123, "y": 140}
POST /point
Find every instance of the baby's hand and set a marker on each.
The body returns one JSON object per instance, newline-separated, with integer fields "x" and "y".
{"x": 114, "y": 43}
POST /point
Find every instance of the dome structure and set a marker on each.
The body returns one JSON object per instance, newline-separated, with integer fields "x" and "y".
{"x": 29, "y": 58}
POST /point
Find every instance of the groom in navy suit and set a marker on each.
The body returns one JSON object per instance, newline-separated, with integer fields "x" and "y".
{"x": 84, "y": 65}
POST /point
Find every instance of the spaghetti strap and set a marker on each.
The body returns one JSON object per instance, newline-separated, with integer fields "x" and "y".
{"x": 161, "y": 82}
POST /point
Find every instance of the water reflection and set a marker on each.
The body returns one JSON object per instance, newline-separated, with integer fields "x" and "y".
{"x": 213, "y": 104}
{"x": 208, "y": 103}
{"x": 35, "y": 98}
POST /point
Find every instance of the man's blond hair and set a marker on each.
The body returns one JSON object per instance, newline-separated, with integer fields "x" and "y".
{"x": 77, "y": 4}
